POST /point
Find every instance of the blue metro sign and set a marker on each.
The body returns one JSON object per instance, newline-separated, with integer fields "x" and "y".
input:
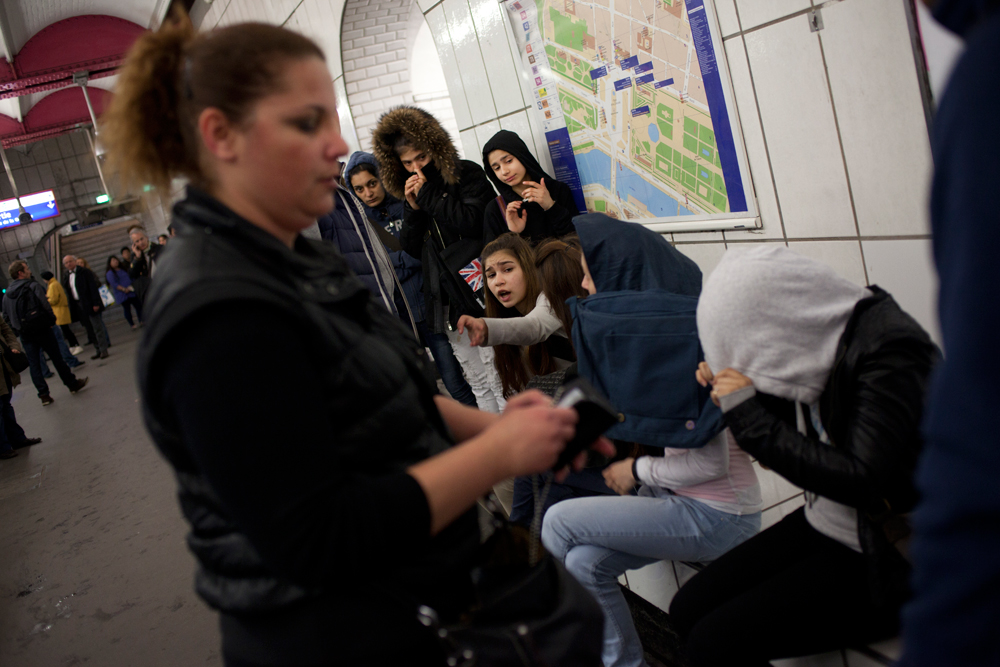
{"x": 40, "y": 205}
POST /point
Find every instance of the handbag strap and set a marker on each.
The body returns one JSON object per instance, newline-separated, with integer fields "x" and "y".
{"x": 503, "y": 207}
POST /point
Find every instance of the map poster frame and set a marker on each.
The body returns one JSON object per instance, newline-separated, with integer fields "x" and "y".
{"x": 670, "y": 152}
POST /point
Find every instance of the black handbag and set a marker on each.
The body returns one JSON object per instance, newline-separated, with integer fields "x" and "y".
{"x": 462, "y": 275}
{"x": 529, "y": 610}
{"x": 17, "y": 361}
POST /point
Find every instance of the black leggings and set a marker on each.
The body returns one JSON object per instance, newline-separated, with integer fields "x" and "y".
{"x": 788, "y": 592}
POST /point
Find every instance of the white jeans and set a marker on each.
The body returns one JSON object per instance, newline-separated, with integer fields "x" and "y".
{"x": 480, "y": 372}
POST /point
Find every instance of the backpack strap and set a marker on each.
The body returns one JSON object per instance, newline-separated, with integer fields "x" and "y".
{"x": 503, "y": 207}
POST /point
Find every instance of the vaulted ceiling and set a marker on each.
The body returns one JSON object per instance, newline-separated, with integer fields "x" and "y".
{"x": 43, "y": 43}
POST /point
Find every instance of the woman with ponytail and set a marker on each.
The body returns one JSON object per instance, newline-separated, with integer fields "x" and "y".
{"x": 314, "y": 457}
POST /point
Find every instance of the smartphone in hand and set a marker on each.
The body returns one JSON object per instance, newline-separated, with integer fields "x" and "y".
{"x": 596, "y": 416}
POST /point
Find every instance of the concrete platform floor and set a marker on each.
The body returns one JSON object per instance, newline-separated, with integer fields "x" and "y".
{"x": 94, "y": 566}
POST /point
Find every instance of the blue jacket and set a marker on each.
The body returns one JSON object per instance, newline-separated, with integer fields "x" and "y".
{"x": 636, "y": 339}
{"x": 348, "y": 228}
{"x": 955, "y": 549}
{"x": 389, "y": 214}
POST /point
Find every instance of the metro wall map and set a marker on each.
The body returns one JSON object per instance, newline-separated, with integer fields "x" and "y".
{"x": 625, "y": 77}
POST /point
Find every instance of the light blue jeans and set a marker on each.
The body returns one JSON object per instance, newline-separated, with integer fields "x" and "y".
{"x": 600, "y": 538}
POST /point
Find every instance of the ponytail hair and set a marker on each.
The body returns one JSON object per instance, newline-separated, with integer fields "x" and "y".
{"x": 171, "y": 75}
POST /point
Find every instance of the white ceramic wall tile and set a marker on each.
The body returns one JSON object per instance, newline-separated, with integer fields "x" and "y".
{"x": 890, "y": 648}
{"x": 541, "y": 144}
{"x": 755, "y": 12}
{"x": 753, "y": 139}
{"x": 728, "y": 21}
{"x": 449, "y": 65}
{"x": 655, "y": 583}
{"x": 692, "y": 237}
{"x": 779, "y": 512}
{"x": 942, "y": 48}
{"x": 519, "y": 123}
{"x": 705, "y": 255}
{"x": 774, "y": 489}
{"x": 470, "y": 60}
{"x": 834, "y": 659}
{"x": 320, "y": 20}
{"x": 469, "y": 148}
{"x": 881, "y": 114}
{"x": 799, "y": 128}
{"x": 683, "y": 572}
{"x": 491, "y": 23}
{"x": 844, "y": 257}
{"x": 484, "y": 133}
{"x": 904, "y": 268}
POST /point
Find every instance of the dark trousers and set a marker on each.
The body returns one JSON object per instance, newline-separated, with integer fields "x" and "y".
{"x": 33, "y": 347}
{"x": 11, "y": 433}
{"x": 790, "y": 591}
{"x": 69, "y": 335}
{"x": 447, "y": 365}
{"x": 94, "y": 325}
{"x": 127, "y": 305}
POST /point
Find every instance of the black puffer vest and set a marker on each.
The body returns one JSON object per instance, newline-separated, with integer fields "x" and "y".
{"x": 370, "y": 360}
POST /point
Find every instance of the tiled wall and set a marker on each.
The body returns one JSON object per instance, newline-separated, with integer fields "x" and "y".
{"x": 62, "y": 164}
{"x": 833, "y": 122}
{"x": 376, "y": 67}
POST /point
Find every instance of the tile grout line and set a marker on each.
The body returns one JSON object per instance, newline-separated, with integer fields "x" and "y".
{"x": 760, "y": 122}
{"x": 491, "y": 120}
{"x": 843, "y": 155}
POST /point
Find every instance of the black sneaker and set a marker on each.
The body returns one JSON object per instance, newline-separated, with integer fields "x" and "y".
{"x": 8, "y": 455}
{"x": 28, "y": 442}
{"x": 96, "y": 356}
{"x": 80, "y": 384}
{"x": 47, "y": 400}
{"x": 104, "y": 355}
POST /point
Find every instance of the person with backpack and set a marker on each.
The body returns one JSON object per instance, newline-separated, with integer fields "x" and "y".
{"x": 446, "y": 198}
{"x": 26, "y": 307}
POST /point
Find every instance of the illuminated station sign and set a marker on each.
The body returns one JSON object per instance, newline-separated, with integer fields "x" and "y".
{"x": 40, "y": 205}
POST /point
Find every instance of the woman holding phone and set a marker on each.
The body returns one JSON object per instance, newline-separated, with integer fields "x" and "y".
{"x": 328, "y": 472}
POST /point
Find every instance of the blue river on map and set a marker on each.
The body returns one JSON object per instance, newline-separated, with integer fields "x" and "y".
{"x": 595, "y": 167}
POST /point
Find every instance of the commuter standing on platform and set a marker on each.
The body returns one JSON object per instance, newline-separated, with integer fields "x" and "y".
{"x": 27, "y": 309}
{"x": 953, "y": 615}
{"x": 145, "y": 255}
{"x": 12, "y": 436}
{"x": 446, "y": 198}
{"x": 386, "y": 211}
{"x": 535, "y": 205}
{"x": 346, "y": 480}
{"x": 82, "y": 287}
{"x": 121, "y": 287}
{"x": 60, "y": 307}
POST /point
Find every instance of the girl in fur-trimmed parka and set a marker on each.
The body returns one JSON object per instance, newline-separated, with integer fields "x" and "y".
{"x": 445, "y": 197}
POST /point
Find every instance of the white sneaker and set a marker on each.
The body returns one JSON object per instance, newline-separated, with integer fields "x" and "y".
{"x": 75, "y": 350}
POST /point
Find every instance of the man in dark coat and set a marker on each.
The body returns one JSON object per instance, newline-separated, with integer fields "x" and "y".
{"x": 83, "y": 290}
{"x": 144, "y": 258}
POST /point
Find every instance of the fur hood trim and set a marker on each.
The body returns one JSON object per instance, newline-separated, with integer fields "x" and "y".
{"x": 426, "y": 133}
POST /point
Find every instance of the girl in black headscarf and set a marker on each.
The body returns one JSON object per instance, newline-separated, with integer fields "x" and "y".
{"x": 535, "y": 205}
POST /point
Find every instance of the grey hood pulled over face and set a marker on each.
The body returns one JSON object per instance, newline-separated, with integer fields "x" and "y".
{"x": 776, "y": 317}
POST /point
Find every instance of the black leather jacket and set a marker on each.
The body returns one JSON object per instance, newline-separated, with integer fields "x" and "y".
{"x": 379, "y": 388}
{"x": 871, "y": 409}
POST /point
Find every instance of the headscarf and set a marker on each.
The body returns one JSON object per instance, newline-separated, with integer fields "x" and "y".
{"x": 505, "y": 140}
{"x": 776, "y": 317}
